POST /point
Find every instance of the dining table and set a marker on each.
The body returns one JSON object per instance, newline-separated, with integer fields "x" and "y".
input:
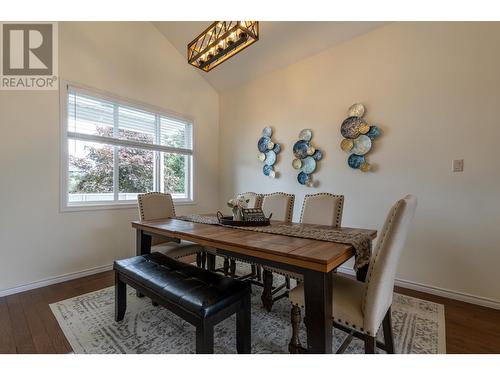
{"x": 314, "y": 259}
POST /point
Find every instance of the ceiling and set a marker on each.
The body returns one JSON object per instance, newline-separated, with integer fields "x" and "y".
{"x": 280, "y": 44}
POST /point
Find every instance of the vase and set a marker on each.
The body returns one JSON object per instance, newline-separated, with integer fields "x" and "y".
{"x": 237, "y": 214}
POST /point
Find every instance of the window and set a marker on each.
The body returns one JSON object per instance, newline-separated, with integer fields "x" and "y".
{"x": 113, "y": 150}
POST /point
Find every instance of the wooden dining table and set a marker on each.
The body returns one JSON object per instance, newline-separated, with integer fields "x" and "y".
{"x": 314, "y": 259}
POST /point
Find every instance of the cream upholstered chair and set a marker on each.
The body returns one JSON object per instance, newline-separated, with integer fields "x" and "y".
{"x": 229, "y": 268}
{"x": 319, "y": 209}
{"x": 361, "y": 308}
{"x": 322, "y": 209}
{"x": 279, "y": 204}
{"x": 153, "y": 206}
{"x": 254, "y": 199}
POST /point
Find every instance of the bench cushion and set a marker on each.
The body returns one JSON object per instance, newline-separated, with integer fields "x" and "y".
{"x": 199, "y": 291}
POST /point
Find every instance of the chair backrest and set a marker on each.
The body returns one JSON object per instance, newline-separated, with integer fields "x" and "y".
{"x": 322, "y": 209}
{"x": 155, "y": 206}
{"x": 280, "y": 205}
{"x": 255, "y": 200}
{"x": 384, "y": 263}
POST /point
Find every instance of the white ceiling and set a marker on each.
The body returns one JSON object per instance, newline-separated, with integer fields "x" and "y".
{"x": 280, "y": 44}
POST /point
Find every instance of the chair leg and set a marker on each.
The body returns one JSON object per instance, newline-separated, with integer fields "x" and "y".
{"x": 361, "y": 273}
{"x": 295, "y": 347}
{"x": 388, "y": 337}
{"x": 120, "y": 298}
{"x": 210, "y": 262}
{"x": 226, "y": 266}
{"x": 205, "y": 338}
{"x": 244, "y": 328}
{"x": 232, "y": 268}
{"x": 259, "y": 273}
{"x": 203, "y": 259}
{"x": 267, "y": 293}
{"x": 198, "y": 259}
{"x": 370, "y": 344}
{"x": 287, "y": 282}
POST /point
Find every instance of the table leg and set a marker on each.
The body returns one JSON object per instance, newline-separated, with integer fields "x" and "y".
{"x": 142, "y": 243}
{"x": 267, "y": 291}
{"x": 318, "y": 301}
{"x": 142, "y": 247}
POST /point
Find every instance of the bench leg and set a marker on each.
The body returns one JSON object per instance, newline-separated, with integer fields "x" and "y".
{"x": 243, "y": 328}
{"x": 120, "y": 298}
{"x": 205, "y": 338}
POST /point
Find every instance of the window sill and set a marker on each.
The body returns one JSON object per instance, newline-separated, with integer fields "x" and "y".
{"x": 114, "y": 206}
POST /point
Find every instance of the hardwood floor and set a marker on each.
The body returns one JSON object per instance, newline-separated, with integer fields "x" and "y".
{"x": 27, "y": 324}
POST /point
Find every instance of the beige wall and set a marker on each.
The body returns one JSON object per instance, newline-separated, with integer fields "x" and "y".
{"x": 434, "y": 89}
{"x": 132, "y": 60}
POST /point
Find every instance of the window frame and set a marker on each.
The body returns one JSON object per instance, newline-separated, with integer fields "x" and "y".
{"x": 65, "y": 135}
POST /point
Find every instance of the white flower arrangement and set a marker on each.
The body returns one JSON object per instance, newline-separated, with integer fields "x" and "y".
{"x": 236, "y": 204}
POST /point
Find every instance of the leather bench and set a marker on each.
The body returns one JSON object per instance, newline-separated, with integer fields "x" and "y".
{"x": 198, "y": 296}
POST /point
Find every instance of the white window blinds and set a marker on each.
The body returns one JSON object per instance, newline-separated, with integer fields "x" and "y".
{"x": 101, "y": 120}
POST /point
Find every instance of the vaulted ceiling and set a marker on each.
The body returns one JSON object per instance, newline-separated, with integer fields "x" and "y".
{"x": 280, "y": 44}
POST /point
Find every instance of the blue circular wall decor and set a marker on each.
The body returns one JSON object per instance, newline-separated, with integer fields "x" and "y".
{"x": 306, "y": 158}
{"x": 268, "y": 152}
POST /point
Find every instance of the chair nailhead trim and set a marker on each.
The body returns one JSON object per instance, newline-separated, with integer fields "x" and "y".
{"x": 340, "y": 206}
{"x": 291, "y": 201}
{"x": 140, "y": 197}
{"x": 379, "y": 245}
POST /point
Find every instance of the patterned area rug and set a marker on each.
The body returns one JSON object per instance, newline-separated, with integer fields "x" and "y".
{"x": 88, "y": 323}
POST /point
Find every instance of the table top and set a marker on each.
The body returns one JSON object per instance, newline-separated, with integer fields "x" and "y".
{"x": 301, "y": 252}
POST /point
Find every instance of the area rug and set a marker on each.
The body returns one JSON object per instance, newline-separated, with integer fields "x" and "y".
{"x": 88, "y": 323}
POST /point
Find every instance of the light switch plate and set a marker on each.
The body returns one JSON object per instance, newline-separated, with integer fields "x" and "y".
{"x": 458, "y": 165}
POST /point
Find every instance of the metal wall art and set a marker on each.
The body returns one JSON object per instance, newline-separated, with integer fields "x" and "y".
{"x": 306, "y": 158}
{"x": 358, "y": 137}
{"x": 268, "y": 152}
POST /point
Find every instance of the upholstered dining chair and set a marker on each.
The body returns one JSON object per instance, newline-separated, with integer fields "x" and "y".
{"x": 280, "y": 205}
{"x": 319, "y": 209}
{"x": 229, "y": 267}
{"x": 155, "y": 205}
{"x": 254, "y": 199}
{"x": 322, "y": 209}
{"x": 361, "y": 308}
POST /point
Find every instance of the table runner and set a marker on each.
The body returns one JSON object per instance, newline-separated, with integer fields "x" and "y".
{"x": 360, "y": 241}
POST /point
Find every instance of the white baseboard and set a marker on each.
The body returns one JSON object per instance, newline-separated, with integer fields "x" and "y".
{"x": 55, "y": 280}
{"x": 464, "y": 297}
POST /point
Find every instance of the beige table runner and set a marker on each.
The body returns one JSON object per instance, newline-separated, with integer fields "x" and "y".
{"x": 359, "y": 240}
